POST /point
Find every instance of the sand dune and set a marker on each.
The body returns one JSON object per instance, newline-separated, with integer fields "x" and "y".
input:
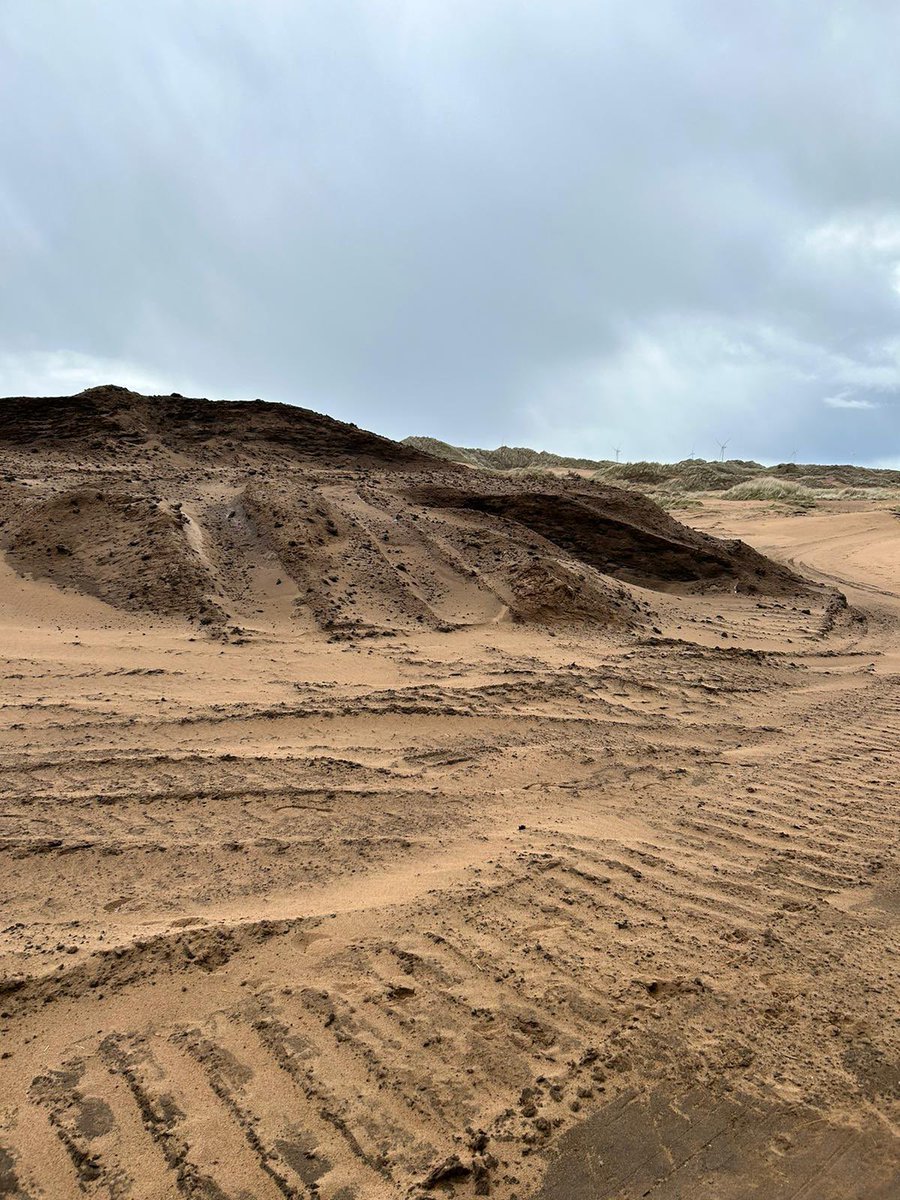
{"x": 394, "y": 831}
{"x": 152, "y": 503}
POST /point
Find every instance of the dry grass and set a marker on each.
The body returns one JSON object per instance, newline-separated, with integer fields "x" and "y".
{"x": 769, "y": 488}
{"x": 672, "y": 484}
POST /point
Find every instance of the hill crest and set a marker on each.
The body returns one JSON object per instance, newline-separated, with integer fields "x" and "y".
{"x": 110, "y": 420}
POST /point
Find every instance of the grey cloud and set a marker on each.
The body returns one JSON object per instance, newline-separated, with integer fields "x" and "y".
{"x": 567, "y": 224}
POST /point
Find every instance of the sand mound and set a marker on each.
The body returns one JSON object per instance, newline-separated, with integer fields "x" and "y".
{"x": 554, "y": 590}
{"x": 345, "y": 574}
{"x": 129, "y": 550}
{"x": 361, "y": 559}
{"x": 624, "y": 535}
{"x": 204, "y": 509}
{"x": 365, "y": 561}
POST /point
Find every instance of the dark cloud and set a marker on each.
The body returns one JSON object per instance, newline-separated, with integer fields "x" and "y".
{"x": 574, "y": 225}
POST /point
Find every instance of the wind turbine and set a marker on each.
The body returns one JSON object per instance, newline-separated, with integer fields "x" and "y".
{"x": 722, "y": 446}
{"x": 617, "y": 452}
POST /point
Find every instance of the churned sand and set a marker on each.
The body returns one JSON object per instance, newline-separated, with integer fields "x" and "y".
{"x": 373, "y": 827}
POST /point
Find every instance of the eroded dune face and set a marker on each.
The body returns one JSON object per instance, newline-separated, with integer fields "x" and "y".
{"x": 129, "y": 549}
{"x": 620, "y": 533}
{"x": 190, "y": 508}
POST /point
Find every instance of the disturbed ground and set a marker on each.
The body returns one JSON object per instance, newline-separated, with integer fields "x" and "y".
{"x": 367, "y": 889}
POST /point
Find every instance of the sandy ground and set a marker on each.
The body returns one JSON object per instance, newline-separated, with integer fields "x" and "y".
{"x": 498, "y": 911}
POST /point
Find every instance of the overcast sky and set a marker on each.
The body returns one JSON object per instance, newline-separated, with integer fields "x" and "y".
{"x": 573, "y": 225}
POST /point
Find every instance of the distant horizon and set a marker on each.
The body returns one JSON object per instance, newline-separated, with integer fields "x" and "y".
{"x": 888, "y": 465}
{"x": 568, "y": 225}
{"x": 882, "y": 465}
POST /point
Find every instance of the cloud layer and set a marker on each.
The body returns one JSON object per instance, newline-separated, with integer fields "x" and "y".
{"x": 652, "y": 226}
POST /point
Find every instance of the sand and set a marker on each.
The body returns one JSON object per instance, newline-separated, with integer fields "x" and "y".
{"x": 303, "y": 895}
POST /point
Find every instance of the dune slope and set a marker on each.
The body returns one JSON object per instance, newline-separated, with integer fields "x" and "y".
{"x": 202, "y": 510}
